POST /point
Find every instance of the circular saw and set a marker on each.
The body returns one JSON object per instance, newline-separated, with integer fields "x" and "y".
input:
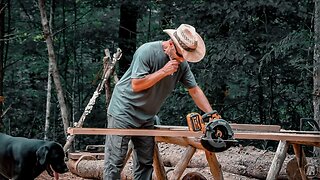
{"x": 218, "y": 134}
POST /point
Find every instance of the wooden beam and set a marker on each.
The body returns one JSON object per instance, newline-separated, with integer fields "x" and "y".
{"x": 183, "y": 163}
{"x": 134, "y": 132}
{"x": 128, "y": 155}
{"x": 255, "y": 127}
{"x": 277, "y": 136}
{"x": 215, "y": 167}
{"x": 301, "y": 160}
{"x": 159, "y": 170}
{"x": 235, "y": 127}
{"x": 300, "y": 132}
{"x": 315, "y": 138}
{"x": 278, "y": 160}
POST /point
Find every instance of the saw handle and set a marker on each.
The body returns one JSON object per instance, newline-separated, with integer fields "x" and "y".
{"x": 207, "y": 117}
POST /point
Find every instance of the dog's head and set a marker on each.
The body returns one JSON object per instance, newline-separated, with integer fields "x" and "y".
{"x": 51, "y": 155}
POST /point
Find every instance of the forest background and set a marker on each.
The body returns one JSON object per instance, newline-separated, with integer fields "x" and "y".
{"x": 258, "y": 68}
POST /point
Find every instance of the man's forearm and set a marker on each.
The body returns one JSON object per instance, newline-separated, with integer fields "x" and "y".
{"x": 200, "y": 99}
{"x": 147, "y": 81}
{"x": 151, "y": 79}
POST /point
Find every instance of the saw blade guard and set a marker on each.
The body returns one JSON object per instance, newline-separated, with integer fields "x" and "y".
{"x": 218, "y": 136}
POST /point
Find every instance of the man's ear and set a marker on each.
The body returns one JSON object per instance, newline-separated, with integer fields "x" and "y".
{"x": 42, "y": 154}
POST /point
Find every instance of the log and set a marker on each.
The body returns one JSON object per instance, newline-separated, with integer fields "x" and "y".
{"x": 246, "y": 161}
{"x": 277, "y": 161}
{"x": 183, "y": 163}
{"x": 215, "y": 167}
{"x": 127, "y": 171}
{"x": 86, "y": 167}
{"x": 89, "y": 168}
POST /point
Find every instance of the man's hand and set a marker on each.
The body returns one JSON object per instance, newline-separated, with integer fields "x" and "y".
{"x": 171, "y": 67}
{"x": 216, "y": 116}
{"x": 140, "y": 84}
{"x": 210, "y": 116}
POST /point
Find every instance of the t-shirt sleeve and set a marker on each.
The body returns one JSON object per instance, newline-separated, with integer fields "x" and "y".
{"x": 187, "y": 78}
{"x": 140, "y": 63}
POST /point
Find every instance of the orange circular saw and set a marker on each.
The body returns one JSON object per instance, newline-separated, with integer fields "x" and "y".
{"x": 218, "y": 134}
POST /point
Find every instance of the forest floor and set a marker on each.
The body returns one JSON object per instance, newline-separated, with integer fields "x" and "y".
{"x": 238, "y": 163}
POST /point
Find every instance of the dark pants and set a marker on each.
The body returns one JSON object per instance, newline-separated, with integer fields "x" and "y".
{"x": 116, "y": 148}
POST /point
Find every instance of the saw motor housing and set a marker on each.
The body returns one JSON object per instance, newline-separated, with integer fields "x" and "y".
{"x": 218, "y": 134}
{"x": 195, "y": 122}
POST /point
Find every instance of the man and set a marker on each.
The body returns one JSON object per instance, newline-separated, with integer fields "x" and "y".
{"x": 155, "y": 70}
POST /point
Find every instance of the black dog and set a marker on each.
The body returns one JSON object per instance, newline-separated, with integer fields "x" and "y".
{"x": 25, "y": 159}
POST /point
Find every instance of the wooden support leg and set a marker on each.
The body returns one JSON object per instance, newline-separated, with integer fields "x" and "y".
{"x": 159, "y": 170}
{"x": 183, "y": 163}
{"x": 278, "y": 160}
{"x": 301, "y": 160}
{"x": 215, "y": 167}
{"x": 129, "y": 152}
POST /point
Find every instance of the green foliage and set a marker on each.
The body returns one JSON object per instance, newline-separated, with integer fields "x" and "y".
{"x": 259, "y": 59}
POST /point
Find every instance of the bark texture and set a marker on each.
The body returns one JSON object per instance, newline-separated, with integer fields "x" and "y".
{"x": 316, "y": 68}
{"x": 52, "y": 60}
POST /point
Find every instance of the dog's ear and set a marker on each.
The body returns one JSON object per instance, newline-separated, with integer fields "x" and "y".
{"x": 42, "y": 153}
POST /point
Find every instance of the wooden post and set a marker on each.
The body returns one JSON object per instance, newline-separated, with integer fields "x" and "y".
{"x": 301, "y": 160}
{"x": 97, "y": 92}
{"x": 215, "y": 167}
{"x": 278, "y": 160}
{"x": 159, "y": 170}
{"x": 129, "y": 152}
{"x": 183, "y": 163}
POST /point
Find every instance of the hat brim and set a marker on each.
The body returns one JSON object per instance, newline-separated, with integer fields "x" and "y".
{"x": 190, "y": 56}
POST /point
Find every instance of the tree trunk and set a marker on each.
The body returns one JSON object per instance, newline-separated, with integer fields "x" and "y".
{"x": 49, "y": 84}
{"x": 48, "y": 103}
{"x": 75, "y": 79}
{"x": 316, "y": 69}
{"x": 55, "y": 72}
{"x": 2, "y": 33}
{"x": 127, "y": 33}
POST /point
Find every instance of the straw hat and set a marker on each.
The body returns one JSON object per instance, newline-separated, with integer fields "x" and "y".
{"x": 188, "y": 41}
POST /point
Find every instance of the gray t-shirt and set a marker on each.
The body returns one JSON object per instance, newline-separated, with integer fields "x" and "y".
{"x": 144, "y": 105}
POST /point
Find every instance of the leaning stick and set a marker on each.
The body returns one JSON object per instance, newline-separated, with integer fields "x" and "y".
{"x": 106, "y": 75}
